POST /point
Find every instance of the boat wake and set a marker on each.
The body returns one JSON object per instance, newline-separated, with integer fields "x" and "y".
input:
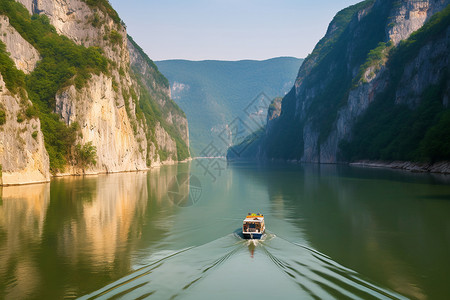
{"x": 231, "y": 267}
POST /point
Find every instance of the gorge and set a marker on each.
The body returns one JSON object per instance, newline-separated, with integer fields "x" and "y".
{"x": 113, "y": 178}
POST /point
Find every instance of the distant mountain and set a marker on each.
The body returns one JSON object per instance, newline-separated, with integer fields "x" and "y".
{"x": 376, "y": 87}
{"x": 213, "y": 93}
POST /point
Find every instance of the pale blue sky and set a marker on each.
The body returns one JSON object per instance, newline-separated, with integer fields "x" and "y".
{"x": 227, "y": 29}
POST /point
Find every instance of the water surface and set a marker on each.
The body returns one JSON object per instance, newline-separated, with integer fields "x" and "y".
{"x": 333, "y": 232}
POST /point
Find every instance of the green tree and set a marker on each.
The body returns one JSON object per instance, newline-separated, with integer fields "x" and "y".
{"x": 85, "y": 155}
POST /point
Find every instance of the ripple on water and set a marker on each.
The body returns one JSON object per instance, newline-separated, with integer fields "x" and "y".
{"x": 231, "y": 267}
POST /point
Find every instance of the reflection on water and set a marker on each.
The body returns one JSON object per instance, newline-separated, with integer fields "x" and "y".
{"x": 392, "y": 226}
{"x": 333, "y": 231}
{"x": 76, "y": 234}
{"x": 22, "y": 216}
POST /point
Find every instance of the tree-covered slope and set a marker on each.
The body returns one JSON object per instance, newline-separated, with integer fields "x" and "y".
{"x": 214, "y": 93}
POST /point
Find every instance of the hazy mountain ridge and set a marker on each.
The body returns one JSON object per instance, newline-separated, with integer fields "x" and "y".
{"x": 73, "y": 102}
{"x": 367, "y": 59}
{"x": 213, "y": 93}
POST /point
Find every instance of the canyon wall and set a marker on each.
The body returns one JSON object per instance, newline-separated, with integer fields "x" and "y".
{"x": 108, "y": 109}
{"x": 380, "y": 62}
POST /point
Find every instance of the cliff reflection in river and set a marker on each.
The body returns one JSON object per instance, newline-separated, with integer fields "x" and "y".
{"x": 51, "y": 234}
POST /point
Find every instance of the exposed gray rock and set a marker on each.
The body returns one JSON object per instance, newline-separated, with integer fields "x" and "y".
{"x": 311, "y": 146}
{"x": 424, "y": 70}
{"x": 358, "y": 101}
{"x": 274, "y": 109}
{"x": 22, "y": 53}
{"x": 409, "y": 16}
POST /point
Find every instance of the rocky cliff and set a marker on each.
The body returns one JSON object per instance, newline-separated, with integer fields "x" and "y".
{"x": 78, "y": 97}
{"x": 375, "y": 68}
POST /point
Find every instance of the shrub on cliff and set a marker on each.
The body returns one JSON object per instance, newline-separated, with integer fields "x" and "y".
{"x": 2, "y": 116}
{"x": 85, "y": 155}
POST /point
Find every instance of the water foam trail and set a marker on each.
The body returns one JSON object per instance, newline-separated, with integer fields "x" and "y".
{"x": 320, "y": 276}
{"x": 226, "y": 268}
{"x": 172, "y": 275}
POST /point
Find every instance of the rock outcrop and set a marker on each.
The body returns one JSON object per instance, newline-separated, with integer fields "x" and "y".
{"x": 409, "y": 16}
{"x": 109, "y": 111}
{"x": 22, "y": 53}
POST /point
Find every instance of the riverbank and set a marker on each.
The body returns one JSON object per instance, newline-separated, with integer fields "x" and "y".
{"x": 13, "y": 180}
{"x": 442, "y": 167}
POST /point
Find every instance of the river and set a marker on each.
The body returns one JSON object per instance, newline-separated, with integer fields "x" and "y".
{"x": 172, "y": 233}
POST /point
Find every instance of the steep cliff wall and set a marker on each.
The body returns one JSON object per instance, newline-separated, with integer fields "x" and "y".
{"x": 367, "y": 55}
{"x": 23, "y": 157}
{"x": 105, "y": 123}
{"x": 92, "y": 101}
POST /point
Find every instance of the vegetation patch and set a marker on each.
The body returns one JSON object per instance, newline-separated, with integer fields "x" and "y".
{"x": 2, "y": 116}
{"x": 375, "y": 59}
{"x": 14, "y": 78}
{"x": 115, "y": 37}
{"x": 105, "y": 7}
{"x": 96, "y": 22}
{"x": 85, "y": 155}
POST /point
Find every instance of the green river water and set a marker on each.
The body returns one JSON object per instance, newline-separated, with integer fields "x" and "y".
{"x": 333, "y": 232}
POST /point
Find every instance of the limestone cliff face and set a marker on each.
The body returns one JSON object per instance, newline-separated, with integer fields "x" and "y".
{"x": 340, "y": 80}
{"x": 104, "y": 123}
{"x": 408, "y": 16}
{"x": 22, "y": 152}
{"x": 108, "y": 109}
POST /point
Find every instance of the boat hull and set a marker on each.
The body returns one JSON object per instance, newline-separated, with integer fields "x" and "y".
{"x": 252, "y": 236}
